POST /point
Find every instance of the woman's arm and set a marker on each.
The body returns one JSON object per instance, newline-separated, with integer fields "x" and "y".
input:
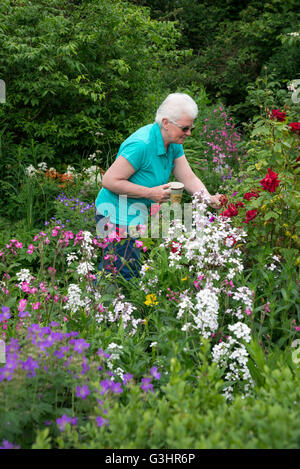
{"x": 184, "y": 173}
{"x": 116, "y": 180}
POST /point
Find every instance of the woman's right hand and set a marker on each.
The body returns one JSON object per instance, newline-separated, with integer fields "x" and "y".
{"x": 160, "y": 194}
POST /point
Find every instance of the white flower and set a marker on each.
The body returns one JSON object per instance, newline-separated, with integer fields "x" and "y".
{"x": 241, "y": 331}
{"x": 24, "y": 276}
{"x": 31, "y": 171}
{"x": 74, "y": 298}
{"x": 84, "y": 268}
{"x": 42, "y": 166}
{"x": 72, "y": 256}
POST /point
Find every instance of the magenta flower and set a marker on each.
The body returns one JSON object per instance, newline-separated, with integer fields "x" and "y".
{"x": 22, "y": 305}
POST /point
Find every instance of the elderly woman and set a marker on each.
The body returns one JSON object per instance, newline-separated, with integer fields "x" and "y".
{"x": 139, "y": 176}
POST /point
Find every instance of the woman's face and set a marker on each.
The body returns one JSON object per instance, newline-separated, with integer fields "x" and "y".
{"x": 178, "y": 131}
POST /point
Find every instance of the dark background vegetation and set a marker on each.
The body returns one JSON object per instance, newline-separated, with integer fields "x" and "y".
{"x": 82, "y": 75}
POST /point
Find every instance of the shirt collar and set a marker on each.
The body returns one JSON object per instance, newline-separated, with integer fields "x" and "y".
{"x": 161, "y": 150}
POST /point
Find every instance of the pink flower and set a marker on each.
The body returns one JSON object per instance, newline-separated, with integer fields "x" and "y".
{"x": 248, "y": 312}
{"x": 139, "y": 244}
{"x": 22, "y": 305}
{"x": 35, "y": 305}
{"x": 30, "y": 249}
{"x": 55, "y": 230}
{"x": 155, "y": 208}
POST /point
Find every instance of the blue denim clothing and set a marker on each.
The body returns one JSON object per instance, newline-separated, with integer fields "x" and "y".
{"x": 124, "y": 249}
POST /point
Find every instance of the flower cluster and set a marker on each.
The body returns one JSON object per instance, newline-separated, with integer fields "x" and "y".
{"x": 278, "y": 115}
{"x": 63, "y": 360}
{"x": 232, "y": 355}
{"x": 295, "y": 127}
{"x": 270, "y": 182}
{"x": 208, "y": 260}
{"x": 120, "y": 312}
{"x": 222, "y": 142}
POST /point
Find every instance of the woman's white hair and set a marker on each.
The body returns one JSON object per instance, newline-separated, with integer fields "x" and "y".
{"x": 174, "y": 106}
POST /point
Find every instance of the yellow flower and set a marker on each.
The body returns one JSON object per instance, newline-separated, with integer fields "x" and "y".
{"x": 288, "y": 233}
{"x": 184, "y": 279}
{"x": 151, "y": 300}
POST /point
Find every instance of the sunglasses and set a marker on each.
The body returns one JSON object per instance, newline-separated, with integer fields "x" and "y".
{"x": 183, "y": 128}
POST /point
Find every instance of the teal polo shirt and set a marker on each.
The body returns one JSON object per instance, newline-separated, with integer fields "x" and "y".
{"x": 145, "y": 151}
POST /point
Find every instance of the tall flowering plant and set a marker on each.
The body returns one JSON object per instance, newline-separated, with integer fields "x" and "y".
{"x": 267, "y": 199}
{"x": 197, "y": 280}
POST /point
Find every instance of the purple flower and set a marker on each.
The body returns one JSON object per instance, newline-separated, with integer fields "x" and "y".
{"x": 61, "y": 352}
{"x": 83, "y": 391}
{"x": 105, "y": 385}
{"x": 30, "y": 365}
{"x": 146, "y": 384}
{"x": 5, "y": 315}
{"x": 116, "y": 387}
{"x": 23, "y": 314}
{"x": 7, "y": 445}
{"x": 127, "y": 377}
{"x": 154, "y": 372}
{"x": 54, "y": 324}
{"x": 101, "y": 353}
{"x": 79, "y": 345}
{"x": 101, "y": 421}
{"x": 5, "y": 373}
{"x": 62, "y": 422}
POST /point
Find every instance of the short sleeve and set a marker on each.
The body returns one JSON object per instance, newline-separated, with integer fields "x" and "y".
{"x": 133, "y": 152}
{"x": 177, "y": 151}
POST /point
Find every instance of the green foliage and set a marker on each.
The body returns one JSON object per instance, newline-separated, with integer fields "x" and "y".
{"x": 76, "y": 75}
{"x": 215, "y": 150}
{"x": 231, "y": 43}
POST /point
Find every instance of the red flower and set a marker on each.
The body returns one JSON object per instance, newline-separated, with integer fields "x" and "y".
{"x": 297, "y": 162}
{"x": 250, "y": 215}
{"x": 231, "y": 211}
{"x": 270, "y": 182}
{"x": 249, "y": 195}
{"x": 223, "y": 200}
{"x": 295, "y": 127}
{"x": 239, "y": 204}
{"x": 175, "y": 246}
{"x": 278, "y": 115}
